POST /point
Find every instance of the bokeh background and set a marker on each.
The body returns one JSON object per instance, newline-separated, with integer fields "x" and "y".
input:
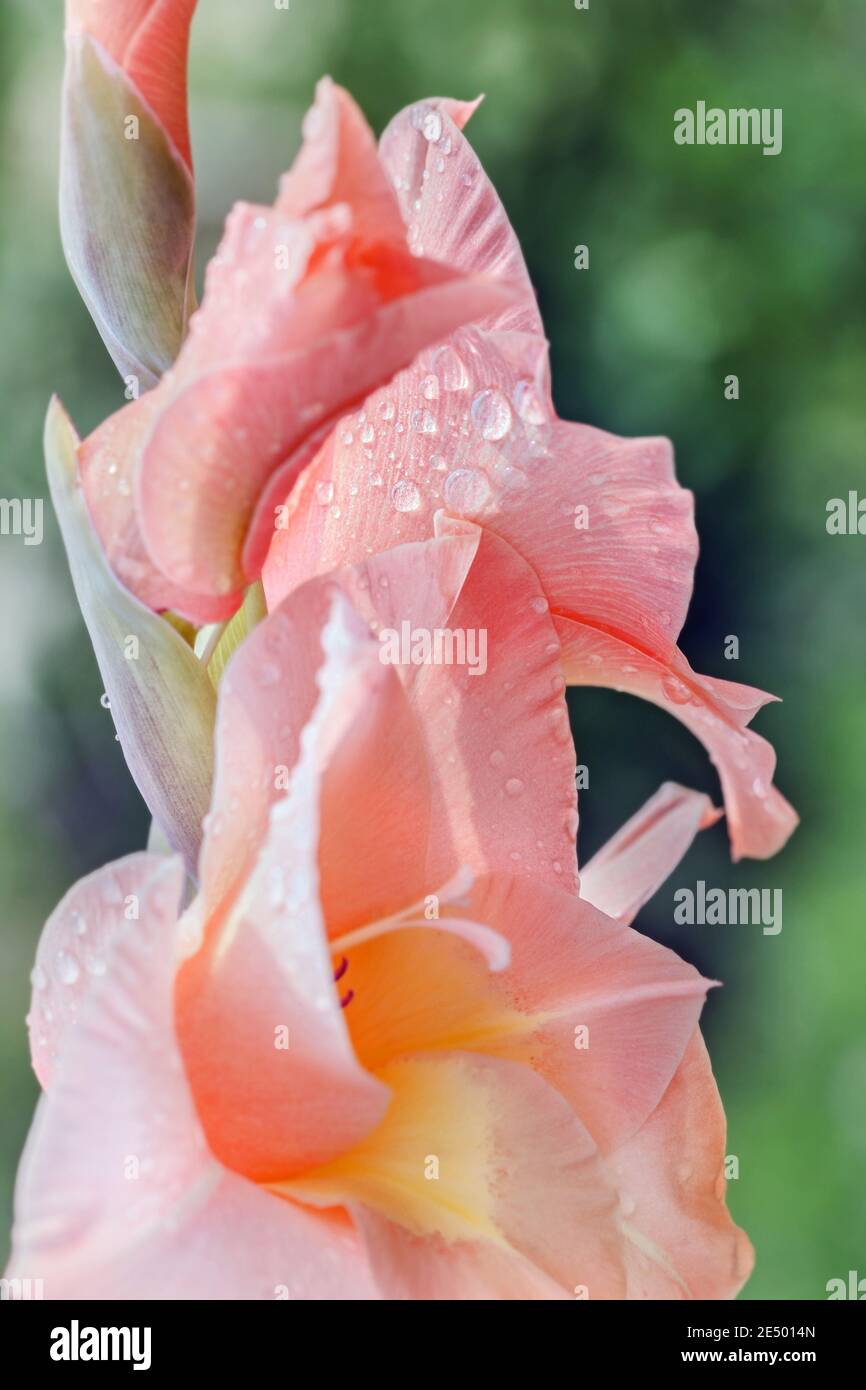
{"x": 702, "y": 262}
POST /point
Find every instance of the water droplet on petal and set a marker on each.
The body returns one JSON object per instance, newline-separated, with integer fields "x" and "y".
{"x": 491, "y": 414}
{"x": 325, "y": 493}
{"x": 528, "y": 403}
{"x": 450, "y": 369}
{"x": 424, "y": 421}
{"x": 66, "y": 967}
{"x": 675, "y": 690}
{"x": 467, "y": 491}
{"x": 387, "y": 410}
{"x": 406, "y": 496}
{"x": 38, "y": 978}
{"x": 513, "y": 787}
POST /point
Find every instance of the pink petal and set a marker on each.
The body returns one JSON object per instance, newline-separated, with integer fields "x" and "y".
{"x": 74, "y": 951}
{"x": 149, "y": 40}
{"x": 264, "y": 1038}
{"x": 626, "y": 872}
{"x": 117, "y": 1194}
{"x": 573, "y": 968}
{"x": 625, "y": 577}
{"x": 375, "y": 796}
{"x": 549, "y": 1200}
{"x": 449, "y": 204}
{"x": 681, "y": 1241}
{"x": 339, "y": 163}
{"x": 717, "y": 712}
{"x": 498, "y": 740}
{"x": 471, "y": 428}
{"x": 107, "y": 460}
{"x": 227, "y": 422}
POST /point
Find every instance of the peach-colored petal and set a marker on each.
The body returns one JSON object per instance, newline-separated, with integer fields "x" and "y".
{"x": 603, "y": 1013}
{"x": 339, "y": 163}
{"x": 149, "y": 40}
{"x": 516, "y": 1175}
{"x": 74, "y": 950}
{"x": 601, "y": 521}
{"x": 498, "y": 739}
{"x": 376, "y": 791}
{"x": 471, "y": 429}
{"x": 262, "y": 1032}
{"x": 612, "y": 1010}
{"x": 350, "y": 320}
{"x": 715, "y": 711}
{"x": 449, "y": 204}
{"x": 107, "y": 460}
{"x": 628, "y": 869}
{"x": 117, "y": 1194}
{"x": 680, "y": 1239}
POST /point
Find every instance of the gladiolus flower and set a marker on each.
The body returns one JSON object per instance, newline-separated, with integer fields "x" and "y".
{"x": 355, "y": 1068}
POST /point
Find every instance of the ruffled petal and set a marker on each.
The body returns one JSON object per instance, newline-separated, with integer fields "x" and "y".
{"x": 449, "y": 204}
{"x": 482, "y": 1181}
{"x": 118, "y": 1196}
{"x": 680, "y": 1239}
{"x": 626, "y": 871}
{"x": 759, "y": 818}
{"x": 263, "y": 1036}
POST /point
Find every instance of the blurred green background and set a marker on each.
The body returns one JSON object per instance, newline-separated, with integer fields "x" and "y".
{"x": 702, "y": 262}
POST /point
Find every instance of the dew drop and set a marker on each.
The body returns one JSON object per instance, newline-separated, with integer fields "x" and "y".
{"x": 491, "y": 414}
{"x": 675, "y": 690}
{"x": 387, "y": 410}
{"x": 405, "y": 496}
{"x": 450, "y": 369}
{"x": 38, "y": 978}
{"x": 467, "y": 491}
{"x": 325, "y": 493}
{"x": 66, "y": 967}
{"x": 513, "y": 787}
{"x": 528, "y": 403}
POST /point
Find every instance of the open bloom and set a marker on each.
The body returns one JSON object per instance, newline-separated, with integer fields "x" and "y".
{"x": 470, "y": 427}
{"x": 384, "y": 1053}
{"x": 308, "y": 306}
{"x": 127, "y": 206}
